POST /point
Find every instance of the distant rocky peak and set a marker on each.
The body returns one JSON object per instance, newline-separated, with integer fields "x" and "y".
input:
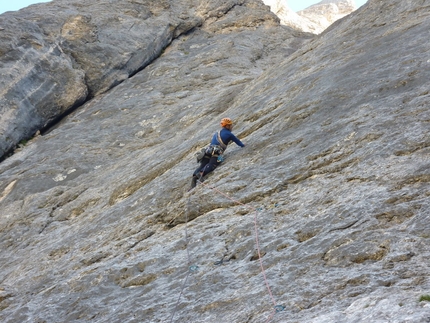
{"x": 336, "y": 2}
{"x": 314, "y": 19}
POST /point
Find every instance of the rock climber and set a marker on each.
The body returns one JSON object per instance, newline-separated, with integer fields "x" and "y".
{"x": 213, "y": 153}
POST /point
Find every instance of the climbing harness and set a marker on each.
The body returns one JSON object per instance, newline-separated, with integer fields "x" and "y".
{"x": 214, "y": 150}
{"x": 217, "y": 150}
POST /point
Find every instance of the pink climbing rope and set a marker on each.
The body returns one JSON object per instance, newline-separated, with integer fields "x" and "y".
{"x": 257, "y": 242}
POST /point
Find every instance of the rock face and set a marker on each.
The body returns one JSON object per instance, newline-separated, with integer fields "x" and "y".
{"x": 288, "y": 17}
{"x": 54, "y": 59}
{"x": 326, "y": 12}
{"x": 96, "y": 223}
{"x": 314, "y": 19}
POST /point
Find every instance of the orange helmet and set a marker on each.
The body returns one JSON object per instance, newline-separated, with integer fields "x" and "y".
{"x": 226, "y": 122}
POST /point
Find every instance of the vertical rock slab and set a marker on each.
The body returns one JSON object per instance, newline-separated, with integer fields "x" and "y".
{"x": 335, "y": 172}
{"x": 54, "y": 56}
{"x": 38, "y": 80}
{"x": 72, "y": 197}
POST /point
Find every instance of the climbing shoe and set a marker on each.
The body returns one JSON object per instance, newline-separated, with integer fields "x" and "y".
{"x": 193, "y": 182}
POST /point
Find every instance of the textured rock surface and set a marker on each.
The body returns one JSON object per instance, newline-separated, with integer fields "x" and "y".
{"x": 56, "y": 55}
{"x": 324, "y": 13}
{"x": 314, "y": 19}
{"x": 335, "y": 170}
{"x": 288, "y": 17}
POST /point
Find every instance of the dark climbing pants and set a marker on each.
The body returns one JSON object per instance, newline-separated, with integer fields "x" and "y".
{"x": 207, "y": 165}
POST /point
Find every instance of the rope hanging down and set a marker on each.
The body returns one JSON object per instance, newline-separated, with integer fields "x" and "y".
{"x": 194, "y": 268}
{"x": 276, "y": 308}
{"x": 191, "y": 268}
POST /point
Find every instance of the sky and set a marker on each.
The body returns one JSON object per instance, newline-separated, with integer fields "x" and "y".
{"x": 296, "y": 5}
{"x": 12, "y": 5}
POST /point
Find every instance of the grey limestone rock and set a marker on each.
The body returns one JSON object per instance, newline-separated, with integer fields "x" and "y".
{"x": 331, "y": 190}
{"x": 55, "y": 56}
{"x": 325, "y": 13}
{"x": 314, "y": 19}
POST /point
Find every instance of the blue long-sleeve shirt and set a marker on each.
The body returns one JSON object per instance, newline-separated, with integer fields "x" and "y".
{"x": 226, "y": 137}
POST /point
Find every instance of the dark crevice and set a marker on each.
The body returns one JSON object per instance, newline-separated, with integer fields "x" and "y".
{"x": 51, "y": 125}
{"x": 343, "y": 227}
{"x": 55, "y": 122}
